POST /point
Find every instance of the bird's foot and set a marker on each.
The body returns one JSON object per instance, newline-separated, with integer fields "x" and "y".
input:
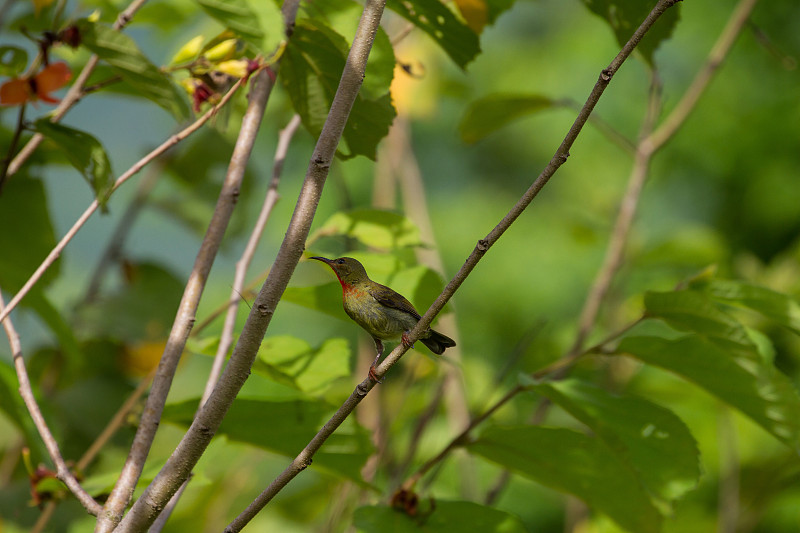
{"x": 373, "y": 376}
{"x": 405, "y": 340}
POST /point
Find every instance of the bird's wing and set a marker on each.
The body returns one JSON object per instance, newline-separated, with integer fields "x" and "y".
{"x": 386, "y": 296}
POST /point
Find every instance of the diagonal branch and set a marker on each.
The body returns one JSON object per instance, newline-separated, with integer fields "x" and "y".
{"x": 187, "y": 308}
{"x": 200, "y": 433}
{"x": 362, "y": 389}
{"x": 644, "y": 152}
{"x": 139, "y": 165}
{"x": 227, "y": 335}
{"x": 62, "y": 471}
{"x": 75, "y": 92}
{"x": 226, "y": 338}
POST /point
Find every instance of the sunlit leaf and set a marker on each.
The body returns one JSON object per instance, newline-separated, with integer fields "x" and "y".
{"x": 238, "y": 16}
{"x": 444, "y": 515}
{"x": 625, "y": 16}
{"x": 375, "y": 228}
{"x": 782, "y": 308}
{"x": 285, "y": 427}
{"x": 489, "y": 114}
{"x": 693, "y": 311}
{"x": 432, "y": 17}
{"x": 574, "y": 463}
{"x": 84, "y": 152}
{"x": 326, "y": 298}
{"x": 311, "y": 70}
{"x": 291, "y": 360}
{"x": 739, "y": 377}
{"x": 123, "y": 55}
{"x": 652, "y": 439}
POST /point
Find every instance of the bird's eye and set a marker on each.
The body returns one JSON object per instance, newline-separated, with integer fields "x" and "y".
{"x": 340, "y": 261}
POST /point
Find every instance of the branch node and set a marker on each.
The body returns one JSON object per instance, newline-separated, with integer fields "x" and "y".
{"x": 483, "y": 245}
{"x": 264, "y": 310}
{"x": 321, "y": 163}
{"x": 606, "y": 75}
{"x": 362, "y": 390}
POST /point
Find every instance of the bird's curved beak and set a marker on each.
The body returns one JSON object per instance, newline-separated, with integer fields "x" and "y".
{"x": 324, "y": 260}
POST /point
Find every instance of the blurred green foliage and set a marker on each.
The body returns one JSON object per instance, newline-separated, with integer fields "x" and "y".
{"x": 689, "y": 423}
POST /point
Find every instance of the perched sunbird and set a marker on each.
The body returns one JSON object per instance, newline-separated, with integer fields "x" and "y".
{"x": 382, "y": 312}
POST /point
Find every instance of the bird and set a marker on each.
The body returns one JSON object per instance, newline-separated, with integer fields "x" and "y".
{"x": 385, "y": 314}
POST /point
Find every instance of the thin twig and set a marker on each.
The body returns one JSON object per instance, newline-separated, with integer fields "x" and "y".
{"x": 75, "y": 92}
{"x": 725, "y": 41}
{"x": 619, "y": 236}
{"x": 362, "y": 389}
{"x": 648, "y": 144}
{"x": 187, "y": 308}
{"x": 226, "y": 337}
{"x": 416, "y": 206}
{"x": 180, "y": 464}
{"x": 63, "y": 473}
{"x": 139, "y": 165}
{"x": 271, "y": 198}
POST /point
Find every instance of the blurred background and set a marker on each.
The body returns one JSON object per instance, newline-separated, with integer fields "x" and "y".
{"x": 725, "y": 191}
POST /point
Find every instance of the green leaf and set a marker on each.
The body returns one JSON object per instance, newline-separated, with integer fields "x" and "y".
{"x": 12, "y": 61}
{"x": 126, "y": 60}
{"x": 490, "y": 113}
{"x": 12, "y": 405}
{"x": 287, "y": 359}
{"x": 375, "y": 228}
{"x": 285, "y": 428}
{"x": 326, "y": 298}
{"x": 739, "y": 377}
{"x": 625, "y": 16}
{"x": 343, "y": 16}
{"x": 259, "y": 25}
{"x": 85, "y": 153}
{"x": 23, "y": 206}
{"x": 652, "y": 439}
{"x": 781, "y": 308}
{"x": 575, "y": 463}
{"x": 444, "y": 516}
{"x": 693, "y": 311}
{"x": 143, "y": 308}
{"x": 432, "y": 17}
{"x": 311, "y": 69}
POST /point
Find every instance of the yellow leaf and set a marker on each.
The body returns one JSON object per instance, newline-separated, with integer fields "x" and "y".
{"x": 188, "y": 51}
{"x": 475, "y": 13}
{"x": 235, "y": 67}
{"x": 222, "y": 51}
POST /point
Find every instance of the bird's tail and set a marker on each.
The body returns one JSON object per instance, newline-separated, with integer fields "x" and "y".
{"x": 437, "y": 343}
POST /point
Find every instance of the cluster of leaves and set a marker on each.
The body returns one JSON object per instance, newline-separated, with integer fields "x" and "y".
{"x": 627, "y": 457}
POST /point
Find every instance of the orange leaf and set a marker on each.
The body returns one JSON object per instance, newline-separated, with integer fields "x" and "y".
{"x": 15, "y": 92}
{"x": 475, "y": 13}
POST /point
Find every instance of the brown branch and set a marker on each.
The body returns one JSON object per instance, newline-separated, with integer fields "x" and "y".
{"x": 271, "y": 198}
{"x": 226, "y": 337}
{"x": 362, "y": 389}
{"x": 187, "y": 308}
{"x": 63, "y": 473}
{"x": 139, "y": 165}
{"x": 715, "y": 58}
{"x": 614, "y": 253}
{"x": 75, "y": 92}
